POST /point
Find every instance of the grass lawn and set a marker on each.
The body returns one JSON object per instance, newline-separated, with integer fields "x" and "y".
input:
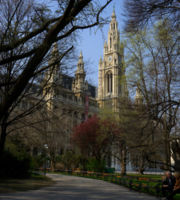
{"x": 144, "y": 183}
{"x": 177, "y": 197}
{"x": 33, "y": 183}
{"x": 151, "y": 176}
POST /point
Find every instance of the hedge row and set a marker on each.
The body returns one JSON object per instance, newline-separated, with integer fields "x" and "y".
{"x": 141, "y": 184}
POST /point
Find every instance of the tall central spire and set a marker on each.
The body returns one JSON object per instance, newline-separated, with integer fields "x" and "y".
{"x": 113, "y": 34}
{"x": 110, "y": 88}
{"x": 79, "y": 82}
{"x": 113, "y": 14}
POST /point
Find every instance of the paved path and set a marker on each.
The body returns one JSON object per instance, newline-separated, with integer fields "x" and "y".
{"x": 76, "y": 188}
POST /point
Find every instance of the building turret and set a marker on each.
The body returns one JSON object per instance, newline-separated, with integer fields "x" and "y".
{"x": 51, "y": 77}
{"x": 53, "y": 63}
{"x": 79, "y": 82}
{"x": 105, "y": 47}
{"x": 80, "y": 68}
{"x": 100, "y": 62}
{"x": 113, "y": 35}
{"x": 100, "y": 87}
{"x": 138, "y": 97}
{"x": 111, "y": 69}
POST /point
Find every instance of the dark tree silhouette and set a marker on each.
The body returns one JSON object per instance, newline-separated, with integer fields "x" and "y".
{"x": 27, "y": 32}
{"x": 140, "y": 12}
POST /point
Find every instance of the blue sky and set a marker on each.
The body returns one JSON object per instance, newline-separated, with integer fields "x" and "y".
{"x": 91, "y": 42}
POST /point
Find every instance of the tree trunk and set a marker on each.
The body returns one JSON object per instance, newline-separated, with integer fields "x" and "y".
{"x": 2, "y": 139}
{"x": 141, "y": 170}
{"x": 52, "y": 165}
{"x": 123, "y": 161}
{"x": 167, "y": 152}
{"x": 141, "y": 163}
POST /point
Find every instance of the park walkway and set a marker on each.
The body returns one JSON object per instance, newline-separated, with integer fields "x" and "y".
{"x": 76, "y": 188}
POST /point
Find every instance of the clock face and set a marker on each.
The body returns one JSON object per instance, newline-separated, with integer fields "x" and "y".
{"x": 110, "y": 58}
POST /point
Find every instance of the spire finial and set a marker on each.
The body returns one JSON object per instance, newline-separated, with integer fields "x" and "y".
{"x": 100, "y": 60}
{"x": 80, "y": 56}
{"x": 113, "y": 14}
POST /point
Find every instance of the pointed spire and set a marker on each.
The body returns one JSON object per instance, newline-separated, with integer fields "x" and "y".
{"x": 79, "y": 75}
{"x": 54, "y": 61}
{"x": 105, "y": 47}
{"x": 113, "y": 14}
{"x": 113, "y": 34}
{"x": 100, "y": 61}
{"x": 80, "y": 63}
{"x": 81, "y": 56}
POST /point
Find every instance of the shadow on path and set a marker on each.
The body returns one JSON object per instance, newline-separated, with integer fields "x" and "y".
{"x": 76, "y": 188}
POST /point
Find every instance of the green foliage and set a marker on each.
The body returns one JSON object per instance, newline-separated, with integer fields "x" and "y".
{"x": 110, "y": 170}
{"x": 18, "y": 166}
{"x": 153, "y": 68}
{"x": 95, "y": 165}
{"x": 70, "y": 160}
{"x": 176, "y": 197}
{"x": 37, "y": 161}
{"x": 17, "y": 161}
{"x": 141, "y": 183}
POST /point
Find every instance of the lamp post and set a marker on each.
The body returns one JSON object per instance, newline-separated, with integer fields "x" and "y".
{"x": 45, "y": 159}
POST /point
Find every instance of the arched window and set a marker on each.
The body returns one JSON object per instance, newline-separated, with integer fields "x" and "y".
{"x": 109, "y": 82}
{"x": 110, "y": 43}
{"x": 75, "y": 118}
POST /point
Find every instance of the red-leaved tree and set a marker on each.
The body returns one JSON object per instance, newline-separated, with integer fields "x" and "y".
{"x": 95, "y": 137}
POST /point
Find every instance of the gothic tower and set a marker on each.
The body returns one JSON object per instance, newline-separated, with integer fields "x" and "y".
{"x": 51, "y": 77}
{"x": 111, "y": 69}
{"x": 79, "y": 85}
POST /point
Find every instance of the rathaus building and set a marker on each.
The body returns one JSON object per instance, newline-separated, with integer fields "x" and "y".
{"x": 78, "y": 98}
{"x": 75, "y": 98}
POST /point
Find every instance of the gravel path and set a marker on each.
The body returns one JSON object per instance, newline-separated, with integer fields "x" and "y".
{"x": 76, "y": 188}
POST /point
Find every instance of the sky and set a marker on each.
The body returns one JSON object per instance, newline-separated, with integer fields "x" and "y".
{"x": 91, "y": 42}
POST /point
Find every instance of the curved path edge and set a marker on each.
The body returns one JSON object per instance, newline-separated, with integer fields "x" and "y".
{"x": 78, "y": 188}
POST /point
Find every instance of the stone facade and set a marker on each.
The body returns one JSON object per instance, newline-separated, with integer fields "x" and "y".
{"x": 112, "y": 83}
{"x": 70, "y": 95}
